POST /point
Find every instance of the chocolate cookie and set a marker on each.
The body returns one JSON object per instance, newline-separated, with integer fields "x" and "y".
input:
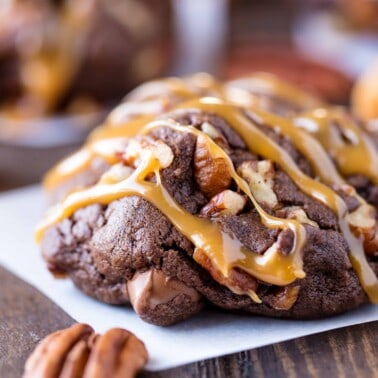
{"x": 211, "y": 203}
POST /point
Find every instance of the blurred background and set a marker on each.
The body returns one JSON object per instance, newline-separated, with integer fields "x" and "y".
{"x": 65, "y": 63}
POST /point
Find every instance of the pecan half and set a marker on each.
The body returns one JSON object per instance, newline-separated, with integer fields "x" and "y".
{"x": 48, "y": 359}
{"x": 78, "y": 352}
{"x": 118, "y": 354}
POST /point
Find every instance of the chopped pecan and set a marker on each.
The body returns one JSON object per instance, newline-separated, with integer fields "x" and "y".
{"x": 297, "y": 213}
{"x": 259, "y": 176}
{"x": 363, "y": 223}
{"x": 117, "y": 173}
{"x": 212, "y": 174}
{"x": 79, "y": 352}
{"x": 363, "y": 219}
{"x": 215, "y": 135}
{"x": 284, "y": 298}
{"x": 285, "y": 241}
{"x": 237, "y": 281}
{"x": 224, "y": 203}
{"x": 138, "y": 147}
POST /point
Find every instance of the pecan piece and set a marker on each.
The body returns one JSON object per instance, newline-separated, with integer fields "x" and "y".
{"x": 284, "y": 298}
{"x": 118, "y": 354}
{"x": 49, "y": 357}
{"x": 227, "y": 202}
{"x": 238, "y": 281}
{"x": 295, "y": 212}
{"x": 212, "y": 174}
{"x": 363, "y": 223}
{"x": 215, "y": 135}
{"x": 139, "y": 147}
{"x": 78, "y": 352}
{"x": 260, "y": 177}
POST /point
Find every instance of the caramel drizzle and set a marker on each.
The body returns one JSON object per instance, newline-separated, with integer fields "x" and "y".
{"x": 259, "y": 143}
{"x": 349, "y": 158}
{"x": 306, "y": 144}
{"x": 103, "y": 142}
{"x": 81, "y": 160}
{"x": 352, "y": 150}
{"x": 224, "y": 250}
{"x": 268, "y": 148}
{"x": 202, "y": 233}
{"x": 216, "y": 152}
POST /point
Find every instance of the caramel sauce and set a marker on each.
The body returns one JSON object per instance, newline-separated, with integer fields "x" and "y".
{"x": 103, "y": 142}
{"x": 223, "y": 250}
{"x": 262, "y": 145}
{"x": 294, "y": 262}
{"x": 349, "y": 146}
{"x": 81, "y": 160}
{"x": 307, "y": 145}
{"x": 259, "y": 143}
{"x": 352, "y": 150}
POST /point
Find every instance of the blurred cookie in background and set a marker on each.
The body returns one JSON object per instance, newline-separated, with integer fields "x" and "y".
{"x": 63, "y": 64}
{"x": 361, "y": 14}
{"x": 77, "y": 56}
{"x": 323, "y": 81}
{"x": 339, "y": 33}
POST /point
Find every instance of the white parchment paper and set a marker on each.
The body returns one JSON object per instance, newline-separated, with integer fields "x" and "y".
{"x": 207, "y": 335}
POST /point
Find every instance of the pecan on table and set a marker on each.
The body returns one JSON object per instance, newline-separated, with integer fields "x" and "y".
{"x": 79, "y": 352}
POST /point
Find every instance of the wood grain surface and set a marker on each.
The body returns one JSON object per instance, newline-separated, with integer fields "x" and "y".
{"x": 26, "y": 316}
{"x": 347, "y": 352}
